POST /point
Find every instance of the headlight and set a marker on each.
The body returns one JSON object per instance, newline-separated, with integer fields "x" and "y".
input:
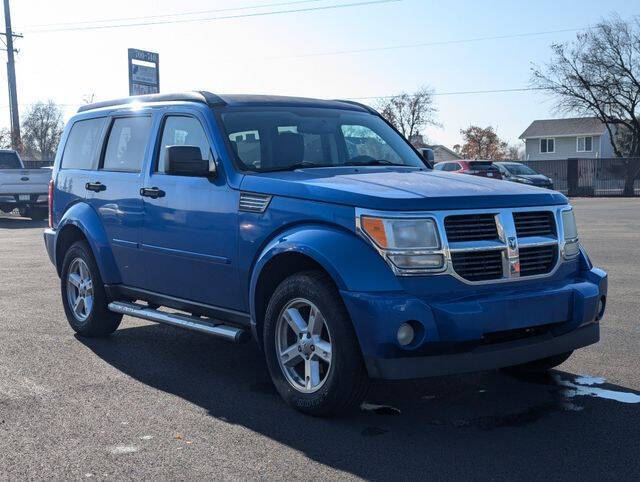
{"x": 523, "y": 180}
{"x": 407, "y": 244}
{"x": 571, "y": 245}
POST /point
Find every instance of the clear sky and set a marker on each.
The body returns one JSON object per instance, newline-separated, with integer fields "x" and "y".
{"x": 279, "y": 53}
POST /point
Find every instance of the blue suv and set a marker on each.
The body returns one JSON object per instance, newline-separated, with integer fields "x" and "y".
{"x": 314, "y": 227}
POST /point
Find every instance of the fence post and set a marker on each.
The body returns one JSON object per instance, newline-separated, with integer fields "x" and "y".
{"x": 572, "y": 177}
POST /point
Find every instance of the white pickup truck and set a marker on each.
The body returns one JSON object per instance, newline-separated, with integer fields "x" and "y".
{"x": 22, "y": 189}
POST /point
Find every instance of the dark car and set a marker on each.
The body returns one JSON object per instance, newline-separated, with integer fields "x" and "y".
{"x": 517, "y": 172}
{"x": 475, "y": 168}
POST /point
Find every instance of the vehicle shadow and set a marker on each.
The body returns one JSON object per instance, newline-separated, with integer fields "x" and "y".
{"x": 9, "y": 221}
{"x": 487, "y": 424}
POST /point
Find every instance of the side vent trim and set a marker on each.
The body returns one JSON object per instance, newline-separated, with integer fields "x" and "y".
{"x": 254, "y": 203}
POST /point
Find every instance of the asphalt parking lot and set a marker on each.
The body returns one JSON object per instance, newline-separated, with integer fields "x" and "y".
{"x": 156, "y": 402}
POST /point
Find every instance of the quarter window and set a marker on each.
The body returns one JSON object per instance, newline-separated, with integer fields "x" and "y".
{"x": 127, "y": 142}
{"x": 548, "y": 145}
{"x": 584, "y": 144}
{"x": 183, "y": 131}
{"x": 80, "y": 151}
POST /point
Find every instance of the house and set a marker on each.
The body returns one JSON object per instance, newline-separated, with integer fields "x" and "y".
{"x": 442, "y": 153}
{"x": 582, "y": 137}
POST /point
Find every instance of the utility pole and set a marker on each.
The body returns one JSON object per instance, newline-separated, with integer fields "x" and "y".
{"x": 11, "y": 76}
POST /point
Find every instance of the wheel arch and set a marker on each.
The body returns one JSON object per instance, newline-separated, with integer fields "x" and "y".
{"x": 349, "y": 262}
{"x": 79, "y": 222}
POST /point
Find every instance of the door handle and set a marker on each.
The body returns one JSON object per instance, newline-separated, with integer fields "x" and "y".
{"x": 152, "y": 192}
{"x": 95, "y": 186}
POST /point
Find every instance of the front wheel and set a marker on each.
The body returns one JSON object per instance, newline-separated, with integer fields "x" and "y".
{"x": 83, "y": 296}
{"x": 311, "y": 348}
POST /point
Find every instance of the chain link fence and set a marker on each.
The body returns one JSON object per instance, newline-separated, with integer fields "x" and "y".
{"x": 592, "y": 177}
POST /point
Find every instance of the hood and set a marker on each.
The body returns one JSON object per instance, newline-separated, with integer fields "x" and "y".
{"x": 399, "y": 189}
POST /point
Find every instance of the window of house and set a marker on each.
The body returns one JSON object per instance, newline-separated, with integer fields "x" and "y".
{"x": 80, "y": 151}
{"x": 183, "y": 131}
{"x": 127, "y": 142}
{"x": 584, "y": 144}
{"x": 548, "y": 145}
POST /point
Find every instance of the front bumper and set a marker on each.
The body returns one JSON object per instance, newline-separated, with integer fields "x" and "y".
{"x": 462, "y": 329}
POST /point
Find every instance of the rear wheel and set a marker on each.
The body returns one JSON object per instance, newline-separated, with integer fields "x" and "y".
{"x": 538, "y": 366}
{"x": 83, "y": 296}
{"x": 311, "y": 349}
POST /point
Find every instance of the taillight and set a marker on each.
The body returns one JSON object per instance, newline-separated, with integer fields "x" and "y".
{"x": 50, "y": 201}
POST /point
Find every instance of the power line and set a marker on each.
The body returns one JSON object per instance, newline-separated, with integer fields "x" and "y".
{"x": 208, "y": 19}
{"x": 461, "y": 92}
{"x": 418, "y": 44}
{"x": 177, "y": 14}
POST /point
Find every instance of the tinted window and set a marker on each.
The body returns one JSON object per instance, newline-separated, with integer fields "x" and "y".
{"x": 273, "y": 138}
{"x": 127, "y": 142}
{"x": 439, "y": 167}
{"x": 520, "y": 169}
{"x": 482, "y": 166}
{"x": 9, "y": 160}
{"x": 82, "y": 144}
{"x": 183, "y": 131}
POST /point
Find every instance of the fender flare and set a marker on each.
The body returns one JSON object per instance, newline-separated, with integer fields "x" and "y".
{"x": 83, "y": 217}
{"x": 350, "y": 261}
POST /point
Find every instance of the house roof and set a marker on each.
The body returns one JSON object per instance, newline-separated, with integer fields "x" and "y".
{"x": 564, "y": 127}
{"x": 445, "y": 148}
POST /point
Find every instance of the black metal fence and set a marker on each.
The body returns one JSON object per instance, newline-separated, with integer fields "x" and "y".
{"x": 33, "y": 164}
{"x": 592, "y": 177}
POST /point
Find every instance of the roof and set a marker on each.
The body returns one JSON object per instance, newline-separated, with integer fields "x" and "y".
{"x": 445, "y": 148}
{"x": 564, "y": 127}
{"x": 214, "y": 100}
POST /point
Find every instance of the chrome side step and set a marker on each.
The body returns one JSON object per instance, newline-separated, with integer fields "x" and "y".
{"x": 210, "y": 327}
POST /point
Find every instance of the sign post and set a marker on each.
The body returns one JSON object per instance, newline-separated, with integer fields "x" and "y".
{"x": 144, "y": 72}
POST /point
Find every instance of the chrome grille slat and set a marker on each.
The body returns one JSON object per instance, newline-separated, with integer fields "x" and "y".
{"x": 534, "y": 223}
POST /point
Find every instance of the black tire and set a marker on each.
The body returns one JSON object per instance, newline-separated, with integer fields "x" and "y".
{"x": 38, "y": 214}
{"x": 100, "y": 321}
{"x": 538, "y": 366}
{"x": 346, "y": 381}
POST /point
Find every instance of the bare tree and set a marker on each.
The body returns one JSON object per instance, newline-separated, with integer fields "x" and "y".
{"x": 410, "y": 113}
{"x": 598, "y": 74}
{"x": 5, "y": 138}
{"x": 482, "y": 143}
{"x": 42, "y": 127}
{"x": 514, "y": 153}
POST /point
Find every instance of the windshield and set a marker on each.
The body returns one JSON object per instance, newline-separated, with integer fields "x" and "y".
{"x": 520, "y": 169}
{"x": 9, "y": 160}
{"x": 281, "y": 138}
{"x": 482, "y": 165}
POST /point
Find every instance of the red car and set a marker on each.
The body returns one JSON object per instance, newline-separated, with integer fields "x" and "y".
{"x": 475, "y": 168}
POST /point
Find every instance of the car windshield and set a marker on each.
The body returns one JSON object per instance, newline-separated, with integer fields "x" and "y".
{"x": 520, "y": 169}
{"x": 281, "y": 138}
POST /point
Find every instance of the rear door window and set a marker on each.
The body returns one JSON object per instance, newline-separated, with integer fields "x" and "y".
{"x": 127, "y": 144}
{"x": 81, "y": 149}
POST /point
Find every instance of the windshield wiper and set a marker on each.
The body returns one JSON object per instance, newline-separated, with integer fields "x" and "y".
{"x": 297, "y": 165}
{"x": 372, "y": 162}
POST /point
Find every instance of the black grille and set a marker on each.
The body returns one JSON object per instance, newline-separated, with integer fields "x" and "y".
{"x": 534, "y": 223}
{"x": 537, "y": 259}
{"x": 478, "y": 265}
{"x": 471, "y": 227}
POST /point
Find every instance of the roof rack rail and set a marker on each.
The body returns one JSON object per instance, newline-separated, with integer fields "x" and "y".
{"x": 359, "y": 104}
{"x": 201, "y": 96}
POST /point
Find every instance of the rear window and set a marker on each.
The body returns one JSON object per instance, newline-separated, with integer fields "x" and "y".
{"x": 9, "y": 160}
{"x": 81, "y": 149}
{"x": 482, "y": 166}
{"x": 127, "y": 142}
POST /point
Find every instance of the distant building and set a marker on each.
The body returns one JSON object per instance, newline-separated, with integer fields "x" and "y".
{"x": 442, "y": 153}
{"x": 582, "y": 137}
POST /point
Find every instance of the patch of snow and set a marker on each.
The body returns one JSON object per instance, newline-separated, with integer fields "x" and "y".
{"x": 577, "y": 390}
{"x": 123, "y": 449}
{"x": 146, "y": 437}
{"x": 587, "y": 380}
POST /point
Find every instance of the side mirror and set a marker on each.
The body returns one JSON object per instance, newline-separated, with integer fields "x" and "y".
{"x": 187, "y": 161}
